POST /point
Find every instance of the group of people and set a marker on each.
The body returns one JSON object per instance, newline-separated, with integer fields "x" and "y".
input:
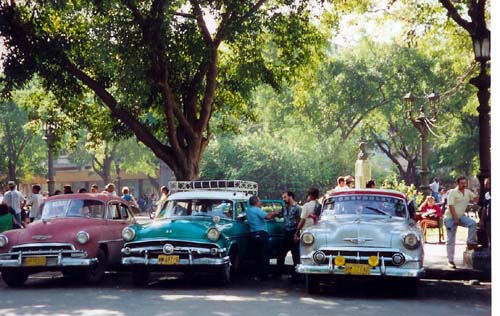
{"x": 17, "y": 211}
{"x": 448, "y": 208}
{"x": 296, "y": 218}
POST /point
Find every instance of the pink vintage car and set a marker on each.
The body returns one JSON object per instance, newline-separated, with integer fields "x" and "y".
{"x": 78, "y": 234}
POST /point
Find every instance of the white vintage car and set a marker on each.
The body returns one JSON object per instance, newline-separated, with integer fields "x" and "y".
{"x": 362, "y": 233}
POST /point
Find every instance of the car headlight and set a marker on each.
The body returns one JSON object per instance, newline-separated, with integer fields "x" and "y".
{"x": 213, "y": 234}
{"x": 82, "y": 237}
{"x": 128, "y": 234}
{"x": 411, "y": 241}
{"x": 307, "y": 238}
{"x": 3, "y": 241}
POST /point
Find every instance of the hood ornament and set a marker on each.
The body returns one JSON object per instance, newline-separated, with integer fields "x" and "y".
{"x": 41, "y": 237}
{"x": 357, "y": 240}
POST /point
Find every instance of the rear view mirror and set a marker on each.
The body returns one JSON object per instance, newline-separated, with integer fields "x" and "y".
{"x": 242, "y": 217}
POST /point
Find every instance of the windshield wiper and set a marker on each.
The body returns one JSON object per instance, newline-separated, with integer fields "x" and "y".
{"x": 378, "y": 211}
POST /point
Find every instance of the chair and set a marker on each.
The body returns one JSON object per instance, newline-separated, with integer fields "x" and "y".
{"x": 430, "y": 224}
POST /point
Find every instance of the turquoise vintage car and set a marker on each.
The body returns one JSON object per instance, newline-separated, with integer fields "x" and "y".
{"x": 203, "y": 228}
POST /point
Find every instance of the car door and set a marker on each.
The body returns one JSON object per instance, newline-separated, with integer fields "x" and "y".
{"x": 241, "y": 230}
{"x": 118, "y": 216}
{"x": 274, "y": 226}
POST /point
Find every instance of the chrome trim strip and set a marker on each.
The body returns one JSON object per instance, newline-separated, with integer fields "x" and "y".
{"x": 111, "y": 240}
{"x": 63, "y": 262}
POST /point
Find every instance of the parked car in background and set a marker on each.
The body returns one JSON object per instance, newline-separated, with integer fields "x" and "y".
{"x": 78, "y": 234}
{"x": 363, "y": 233}
{"x": 202, "y": 229}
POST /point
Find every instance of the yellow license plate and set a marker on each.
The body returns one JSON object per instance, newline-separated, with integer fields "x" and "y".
{"x": 35, "y": 261}
{"x": 168, "y": 260}
{"x": 357, "y": 269}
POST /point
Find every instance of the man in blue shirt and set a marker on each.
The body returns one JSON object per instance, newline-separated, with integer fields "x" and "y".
{"x": 256, "y": 218}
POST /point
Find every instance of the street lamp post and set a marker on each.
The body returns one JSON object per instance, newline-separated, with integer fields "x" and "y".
{"x": 50, "y": 137}
{"x": 422, "y": 123}
{"x": 482, "y": 82}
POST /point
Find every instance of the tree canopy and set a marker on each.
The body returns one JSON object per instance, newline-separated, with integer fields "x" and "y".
{"x": 161, "y": 68}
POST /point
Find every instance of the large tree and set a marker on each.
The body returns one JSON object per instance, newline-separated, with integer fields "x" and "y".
{"x": 162, "y": 68}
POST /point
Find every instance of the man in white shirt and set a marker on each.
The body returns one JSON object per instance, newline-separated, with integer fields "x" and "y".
{"x": 15, "y": 200}
{"x": 434, "y": 186}
{"x": 35, "y": 201}
{"x": 307, "y": 216}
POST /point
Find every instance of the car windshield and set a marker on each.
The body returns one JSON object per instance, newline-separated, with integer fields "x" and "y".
{"x": 73, "y": 208}
{"x": 192, "y": 207}
{"x": 365, "y": 205}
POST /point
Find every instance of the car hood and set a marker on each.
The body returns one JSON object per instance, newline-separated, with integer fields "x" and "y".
{"x": 192, "y": 228}
{"x": 361, "y": 231}
{"x": 60, "y": 230}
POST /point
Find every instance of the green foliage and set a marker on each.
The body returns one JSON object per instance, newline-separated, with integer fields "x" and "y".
{"x": 393, "y": 183}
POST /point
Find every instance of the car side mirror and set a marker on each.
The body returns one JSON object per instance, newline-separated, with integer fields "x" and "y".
{"x": 241, "y": 217}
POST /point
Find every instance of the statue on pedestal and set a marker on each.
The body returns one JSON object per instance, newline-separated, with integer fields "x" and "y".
{"x": 363, "y": 170}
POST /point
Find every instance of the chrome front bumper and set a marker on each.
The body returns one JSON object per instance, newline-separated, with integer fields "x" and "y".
{"x": 64, "y": 257}
{"x": 411, "y": 268}
{"x": 182, "y": 262}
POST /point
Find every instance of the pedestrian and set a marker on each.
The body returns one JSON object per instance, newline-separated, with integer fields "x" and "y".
{"x": 256, "y": 218}
{"x": 82, "y": 190}
{"x": 162, "y": 202}
{"x": 307, "y": 215}
{"x": 291, "y": 218}
{"x": 371, "y": 184}
{"x": 7, "y": 217}
{"x": 94, "y": 188}
{"x": 35, "y": 201}
{"x": 57, "y": 192}
{"x": 458, "y": 200}
{"x": 430, "y": 216}
{"x": 127, "y": 196}
{"x": 485, "y": 215}
{"x": 434, "y": 186}
{"x": 67, "y": 189}
{"x": 349, "y": 181}
{"x": 110, "y": 189}
{"x": 442, "y": 196}
{"x": 341, "y": 185}
{"x": 15, "y": 200}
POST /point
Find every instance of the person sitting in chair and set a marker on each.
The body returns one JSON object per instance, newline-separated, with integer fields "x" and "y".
{"x": 431, "y": 216}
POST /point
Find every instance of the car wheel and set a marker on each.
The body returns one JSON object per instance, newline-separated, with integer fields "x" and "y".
{"x": 312, "y": 284}
{"x": 95, "y": 272}
{"x": 14, "y": 277}
{"x": 406, "y": 287}
{"x": 140, "y": 277}
{"x": 235, "y": 261}
{"x": 225, "y": 274}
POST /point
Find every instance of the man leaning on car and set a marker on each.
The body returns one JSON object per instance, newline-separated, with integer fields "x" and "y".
{"x": 256, "y": 218}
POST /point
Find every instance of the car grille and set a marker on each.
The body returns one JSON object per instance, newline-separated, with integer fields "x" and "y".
{"x": 41, "y": 249}
{"x": 181, "y": 248}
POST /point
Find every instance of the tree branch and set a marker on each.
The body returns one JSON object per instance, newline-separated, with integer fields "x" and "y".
{"x": 453, "y": 13}
{"x": 201, "y": 23}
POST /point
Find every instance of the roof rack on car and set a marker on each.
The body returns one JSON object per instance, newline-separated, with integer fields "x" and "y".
{"x": 247, "y": 187}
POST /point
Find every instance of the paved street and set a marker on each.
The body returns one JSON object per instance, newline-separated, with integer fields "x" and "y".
{"x": 50, "y": 294}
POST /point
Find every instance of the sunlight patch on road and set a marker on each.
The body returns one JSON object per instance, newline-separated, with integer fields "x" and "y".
{"x": 218, "y": 298}
{"x": 310, "y": 300}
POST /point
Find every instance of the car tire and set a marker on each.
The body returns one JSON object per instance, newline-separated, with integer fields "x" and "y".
{"x": 140, "y": 277}
{"x": 312, "y": 284}
{"x": 95, "y": 272}
{"x": 14, "y": 277}
{"x": 225, "y": 274}
{"x": 235, "y": 259}
{"x": 407, "y": 287}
